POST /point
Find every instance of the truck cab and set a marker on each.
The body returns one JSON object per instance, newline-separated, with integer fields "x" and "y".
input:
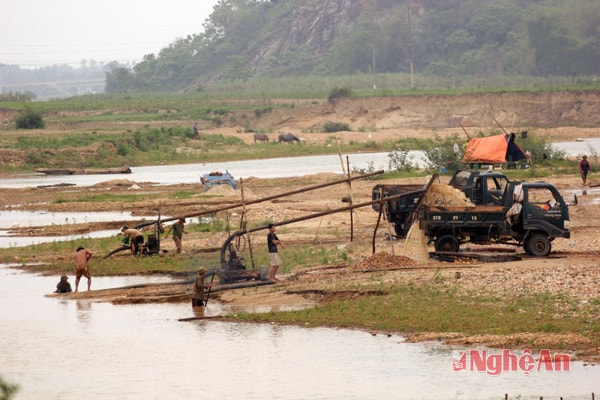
{"x": 482, "y": 188}
{"x": 544, "y": 216}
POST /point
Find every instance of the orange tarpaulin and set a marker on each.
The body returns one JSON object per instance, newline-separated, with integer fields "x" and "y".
{"x": 492, "y": 150}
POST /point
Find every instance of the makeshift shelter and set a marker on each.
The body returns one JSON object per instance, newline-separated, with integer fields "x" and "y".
{"x": 493, "y": 150}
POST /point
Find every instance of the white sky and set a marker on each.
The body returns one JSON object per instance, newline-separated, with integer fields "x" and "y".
{"x": 36, "y": 33}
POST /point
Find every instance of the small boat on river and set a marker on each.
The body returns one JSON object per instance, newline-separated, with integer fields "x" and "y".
{"x": 217, "y": 178}
{"x": 84, "y": 171}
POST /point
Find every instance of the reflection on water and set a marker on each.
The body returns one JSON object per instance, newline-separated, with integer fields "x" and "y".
{"x": 22, "y": 218}
{"x": 8, "y": 241}
{"x": 57, "y": 348}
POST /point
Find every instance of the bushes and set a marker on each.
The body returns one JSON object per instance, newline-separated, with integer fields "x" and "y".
{"x": 338, "y": 92}
{"x": 30, "y": 119}
{"x": 331, "y": 127}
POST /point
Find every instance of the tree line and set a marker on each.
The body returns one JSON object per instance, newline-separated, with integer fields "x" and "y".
{"x": 244, "y": 39}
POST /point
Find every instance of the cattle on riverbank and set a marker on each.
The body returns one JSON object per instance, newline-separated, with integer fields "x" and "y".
{"x": 261, "y": 137}
{"x": 288, "y": 138}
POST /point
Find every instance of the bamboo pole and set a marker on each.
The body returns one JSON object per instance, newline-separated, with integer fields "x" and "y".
{"x": 276, "y": 196}
{"x": 350, "y": 197}
{"x": 244, "y": 213}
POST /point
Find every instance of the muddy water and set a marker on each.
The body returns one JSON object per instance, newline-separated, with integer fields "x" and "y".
{"x": 190, "y": 173}
{"x": 66, "y": 349}
{"x": 20, "y": 218}
{"x": 266, "y": 168}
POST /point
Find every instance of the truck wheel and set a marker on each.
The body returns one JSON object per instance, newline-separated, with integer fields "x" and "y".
{"x": 539, "y": 245}
{"x": 447, "y": 243}
{"x": 399, "y": 231}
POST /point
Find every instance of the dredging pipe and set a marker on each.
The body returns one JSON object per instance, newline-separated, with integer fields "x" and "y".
{"x": 276, "y": 196}
{"x": 310, "y": 216}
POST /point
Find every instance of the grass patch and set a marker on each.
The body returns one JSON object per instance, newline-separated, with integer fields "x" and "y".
{"x": 432, "y": 308}
{"x": 105, "y": 197}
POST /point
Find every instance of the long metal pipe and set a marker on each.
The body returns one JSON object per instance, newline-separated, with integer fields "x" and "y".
{"x": 276, "y": 196}
{"x": 310, "y": 216}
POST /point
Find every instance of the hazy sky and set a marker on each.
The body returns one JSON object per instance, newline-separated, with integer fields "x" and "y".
{"x": 35, "y": 33}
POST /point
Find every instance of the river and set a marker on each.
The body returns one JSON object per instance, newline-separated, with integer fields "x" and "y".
{"x": 266, "y": 168}
{"x": 55, "y": 348}
{"x": 190, "y": 173}
{"x": 66, "y": 349}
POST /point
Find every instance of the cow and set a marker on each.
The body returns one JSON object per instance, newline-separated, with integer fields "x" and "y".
{"x": 261, "y": 137}
{"x": 288, "y": 138}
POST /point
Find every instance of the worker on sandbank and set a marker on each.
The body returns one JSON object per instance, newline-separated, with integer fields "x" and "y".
{"x": 136, "y": 238}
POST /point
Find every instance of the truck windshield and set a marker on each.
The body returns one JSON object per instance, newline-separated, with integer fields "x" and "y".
{"x": 495, "y": 189}
{"x": 543, "y": 198}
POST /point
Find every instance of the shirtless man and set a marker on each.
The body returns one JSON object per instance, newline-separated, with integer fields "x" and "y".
{"x": 136, "y": 239}
{"x": 81, "y": 260}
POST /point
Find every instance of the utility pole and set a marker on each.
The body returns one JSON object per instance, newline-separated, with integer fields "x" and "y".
{"x": 1, "y": 65}
{"x": 410, "y": 46}
{"x": 373, "y": 68}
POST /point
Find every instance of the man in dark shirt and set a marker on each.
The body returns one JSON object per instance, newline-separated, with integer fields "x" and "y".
{"x": 63, "y": 286}
{"x": 274, "y": 259}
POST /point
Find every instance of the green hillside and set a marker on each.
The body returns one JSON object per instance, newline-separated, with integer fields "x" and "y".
{"x": 451, "y": 42}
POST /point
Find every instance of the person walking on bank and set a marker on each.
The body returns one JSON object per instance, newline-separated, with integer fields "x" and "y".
{"x": 198, "y": 295}
{"x": 274, "y": 260}
{"x": 584, "y": 169}
{"x": 82, "y": 257}
{"x": 136, "y": 238}
{"x": 63, "y": 286}
{"x": 178, "y": 229}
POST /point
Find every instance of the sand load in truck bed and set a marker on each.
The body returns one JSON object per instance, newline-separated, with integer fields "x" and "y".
{"x": 444, "y": 195}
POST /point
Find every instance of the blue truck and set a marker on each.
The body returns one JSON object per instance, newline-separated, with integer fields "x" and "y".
{"x": 527, "y": 214}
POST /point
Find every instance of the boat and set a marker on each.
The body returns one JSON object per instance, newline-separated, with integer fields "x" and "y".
{"x": 213, "y": 179}
{"x": 83, "y": 171}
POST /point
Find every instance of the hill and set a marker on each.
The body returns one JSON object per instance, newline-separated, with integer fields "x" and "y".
{"x": 247, "y": 39}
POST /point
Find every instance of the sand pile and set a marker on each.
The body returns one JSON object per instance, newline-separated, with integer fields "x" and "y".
{"x": 438, "y": 196}
{"x": 382, "y": 260}
{"x": 444, "y": 195}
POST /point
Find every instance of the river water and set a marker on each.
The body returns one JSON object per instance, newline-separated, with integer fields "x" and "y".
{"x": 266, "y": 168}
{"x": 190, "y": 173}
{"x": 55, "y": 348}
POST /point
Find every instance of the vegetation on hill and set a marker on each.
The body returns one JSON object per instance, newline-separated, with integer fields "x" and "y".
{"x": 481, "y": 39}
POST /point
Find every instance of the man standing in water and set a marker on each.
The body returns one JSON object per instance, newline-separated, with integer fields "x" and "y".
{"x": 274, "y": 259}
{"x": 178, "y": 231}
{"x": 198, "y": 296}
{"x": 81, "y": 267}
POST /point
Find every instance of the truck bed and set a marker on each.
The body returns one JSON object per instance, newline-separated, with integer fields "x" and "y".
{"x": 479, "y": 216}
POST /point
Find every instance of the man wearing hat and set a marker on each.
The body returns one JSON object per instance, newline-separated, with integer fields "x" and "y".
{"x": 178, "y": 229}
{"x": 63, "y": 286}
{"x": 198, "y": 296}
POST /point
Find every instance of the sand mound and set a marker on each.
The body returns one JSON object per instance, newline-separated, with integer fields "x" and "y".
{"x": 382, "y": 260}
{"x": 445, "y": 195}
{"x": 116, "y": 183}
